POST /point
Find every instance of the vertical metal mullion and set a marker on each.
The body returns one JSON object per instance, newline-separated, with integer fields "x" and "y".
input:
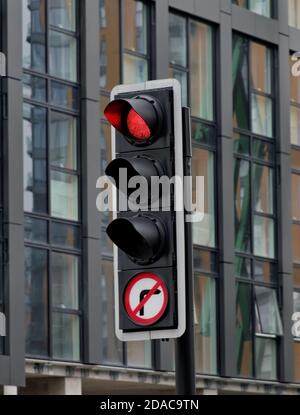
{"x": 188, "y": 55}
{"x": 253, "y": 321}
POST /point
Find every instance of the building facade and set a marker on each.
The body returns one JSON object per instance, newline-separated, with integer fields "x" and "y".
{"x": 236, "y": 62}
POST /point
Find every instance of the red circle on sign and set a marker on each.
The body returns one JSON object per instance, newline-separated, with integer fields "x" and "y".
{"x": 132, "y": 313}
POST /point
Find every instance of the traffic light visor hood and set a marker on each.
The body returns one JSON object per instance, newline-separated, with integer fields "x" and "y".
{"x": 138, "y": 118}
{"x": 139, "y": 237}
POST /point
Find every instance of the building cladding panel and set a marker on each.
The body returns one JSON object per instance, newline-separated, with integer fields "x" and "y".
{"x": 234, "y": 62}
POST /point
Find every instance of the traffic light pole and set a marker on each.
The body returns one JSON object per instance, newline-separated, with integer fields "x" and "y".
{"x": 184, "y": 345}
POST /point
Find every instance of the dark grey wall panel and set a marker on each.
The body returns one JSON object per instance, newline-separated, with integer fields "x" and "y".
{"x": 13, "y": 192}
{"x": 294, "y": 39}
{"x": 90, "y": 155}
{"x": 161, "y": 39}
{"x": 286, "y": 344}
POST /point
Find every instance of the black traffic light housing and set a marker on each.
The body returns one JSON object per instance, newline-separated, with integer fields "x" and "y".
{"x": 149, "y": 277}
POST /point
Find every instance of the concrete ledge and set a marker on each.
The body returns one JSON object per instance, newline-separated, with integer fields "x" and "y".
{"x": 118, "y": 380}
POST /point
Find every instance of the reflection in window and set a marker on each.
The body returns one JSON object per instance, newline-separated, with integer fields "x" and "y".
{"x": 242, "y": 206}
{"x": 65, "y": 337}
{"x": 34, "y": 87}
{"x": 109, "y": 44}
{"x": 64, "y": 271}
{"x": 294, "y": 13}
{"x": 35, "y": 230}
{"x": 244, "y": 339}
{"x": 135, "y": 35}
{"x": 249, "y": 75}
{"x": 200, "y": 39}
{"x": 34, "y": 37}
{"x": 64, "y": 95}
{"x": 267, "y": 312}
{"x": 112, "y": 348}
{"x": 203, "y": 165}
{"x": 205, "y": 325}
{"x": 177, "y": 40}
{"x": 139, "y": 354}
{"x": 36, "y": 301}
{"x": 265, "y": 358}
{"x": 135, "y": 47}
{"x": 62, "y": 13}
{"x": 64, "y": 195}
{"x": 296, "y": 197}
{"x": 34, "y": 159}
{"x": 63, "y": 56}
{"x": 135, "y": 69}
{"x": 63, "y": 141}
{"x": 263, "y": 237}
{"x": 263, "y": 7}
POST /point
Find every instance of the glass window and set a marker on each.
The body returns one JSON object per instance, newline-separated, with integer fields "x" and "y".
{"x": 242, "y": 206}
{"x": 297, "y": 361}
{"x": 135, "y": 18}
{"x": 263, "y": 235}
{"x": 201, "y": 70}
{"x": 64, "y": 195}
{"x": 294, "y": 13}
{"x": 296, "y": 196}
{"x": 63, "y": 56}
{"x": 263, "y": 189}
{"x": 112, "y": 348}
{"x": 240, "y": 74}
{"x": 63, "y": 141}
{"x": 64, "y": 278}
{"x": 65, "y": 235}
{"x": 36, "y": 301}
{"x": 205, "y": 325}
{"x": 295, "y": 159}
{"x": 296, "y": 275}
{"x": 34, "y": 37}
{"x": 262, "y": 115}
{"x": 242, "y": 267}
{"x": 34, "y": 159}
{"x": 65, "y": 337}
{"x": 266, "y": 358}
{"x": 244, "y": 338}
{"x": 205, "y": 261}
{"x": 177, "y": 40}
{"x": 203, "y": 165}
{"x": 135, "y": 69}
{"x": 268, "y": 319}
{"x": 296, "y": 301}
{"x": 64, "y": 95}
{"x": 241, "y": 144}
{"x": 36, "y": 230}
{"x": 109, "y": 44}
{"x": 264, "y": 271}
{"x": 62, "y": 13}
{"x": 34, "y": 87}
{"x": 296, "y": 242}
{"x": 139, "y": 354}
{"x": 295, "y": 125}
{"x": 263, "y": 7}
{"x": 261, "y": 60}
{"x": 258, "y": 59}
{"x": 182, "y": 78}
{"x": 263, "y": 151}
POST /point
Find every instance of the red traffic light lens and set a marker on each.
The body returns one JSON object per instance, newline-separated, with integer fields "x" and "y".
{"x": 138, "y": 119}
{"x": 137, "y": 127}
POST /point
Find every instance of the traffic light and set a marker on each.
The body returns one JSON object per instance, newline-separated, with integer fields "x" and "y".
{"x": 149, "y": 257}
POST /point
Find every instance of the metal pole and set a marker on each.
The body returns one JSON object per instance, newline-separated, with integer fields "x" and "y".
{"x": 185, "y": 345}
